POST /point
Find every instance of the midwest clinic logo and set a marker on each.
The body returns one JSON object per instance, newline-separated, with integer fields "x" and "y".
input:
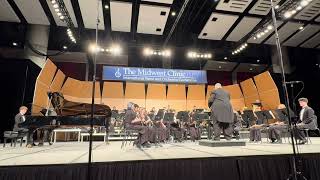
{"x": 118, "y": 74}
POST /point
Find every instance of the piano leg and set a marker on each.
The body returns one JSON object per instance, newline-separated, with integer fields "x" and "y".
{"x": 79, "y": 133}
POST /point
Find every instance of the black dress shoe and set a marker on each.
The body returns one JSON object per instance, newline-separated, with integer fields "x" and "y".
{"x": 40, "y": 144}
{"x": 146, "y": 145}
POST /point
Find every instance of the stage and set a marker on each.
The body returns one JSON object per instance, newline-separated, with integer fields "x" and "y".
{"x": 178, "y": 161}
{"x": 74, "y": 152}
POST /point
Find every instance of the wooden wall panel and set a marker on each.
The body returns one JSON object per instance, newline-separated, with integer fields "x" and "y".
{"x": 268, "y": 91}
{"x": 57, "y": 82}
{"x": 250, "y": 92}
{"x": 40, "y": 99}
{"x": 237, "y": 99}
{"x": 156, "y": 96}
{"x": 176, "y": 97}
{"x": 47, "y": 73}
{"x": 135, "y": 92}
{"x": 113, "y": 95}
{"x": 196, "y": 97}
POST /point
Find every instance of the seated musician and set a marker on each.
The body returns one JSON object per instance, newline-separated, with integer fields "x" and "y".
{"x": 237, "y": 124}
{"x": 255, "y": 128}
{"x": 133, "y": 122}
{"x": 175, "y": 128}
{"x": 307, "y": 120}
{"x": 193, "y": 130}
{"x": 159, "y": 128}
{"x": 20, "y": 118}
{"x": 275, "y": 129}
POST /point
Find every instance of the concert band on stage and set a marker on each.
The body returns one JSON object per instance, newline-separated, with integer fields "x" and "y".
{"x": 163, "y": 125}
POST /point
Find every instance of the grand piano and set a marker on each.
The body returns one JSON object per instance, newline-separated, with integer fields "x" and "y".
{"x": 68, "y": 114}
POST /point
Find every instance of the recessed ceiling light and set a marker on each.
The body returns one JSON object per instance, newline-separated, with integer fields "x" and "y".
{"x": 301, "y": 27}
{"x": 277, "y": 7}
{"x": 220, "y": 67}
{"x": 225, "y": 58}
{"x": 304, "y": 3}
{"x": 65, "y": 47}
{"x": 173, "y": 13}
{"x": 106, "y": 6}
{"x": 269, "y": 27}
{"x": 251, "y": 69}
{"x": 55, "y": 5}
{"x": 287, "y": 14}
{"x": 298, "y": 8}
{"x": 15, "y": 44}
{"x": 258, "y": 60}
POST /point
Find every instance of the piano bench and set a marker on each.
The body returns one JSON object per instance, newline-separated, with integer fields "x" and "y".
{"x": 13, "y": 135}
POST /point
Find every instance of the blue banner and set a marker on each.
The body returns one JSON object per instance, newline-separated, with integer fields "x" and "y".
{"x": 154, "y": 75}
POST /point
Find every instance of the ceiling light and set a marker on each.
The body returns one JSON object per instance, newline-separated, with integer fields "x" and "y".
{"x": 262, "y": 33}
{"x": 53, "y": 1}
{"x": 61, "y": 17}
{"x": 254, "y": 38}
{"x": 15, "y": 44}
{"x": 209, "y": 56}
{"x": 232, "y": 53}
{"x": 304, "y": 3}
{"x": 190, "y": 54}
{"x": 55, "y": 5}
{"x": 56, "y": 9}
{"x": 245, "y": 44}
{"x": 225, "y": 58}
{"x": 258, "y": 36}
{"x": 270, "y": 27}
{"x": 154, "y": 53}
{"x": 293, "y": 11}
{"x": 266, "y": 31}
{"x": 167, "y": 53}
{"x": 173, "y": 13}
{"x": 301, "y": 28}
{"x": 198, "y": 55}
{"x": 65, "y": 47}
{"x": 298, "y": 8}
{"x": 106, "y": 6}
{"x": 147, "y": 51}
{"x": 102, "y": 50}
{"x": 59, "y": 14}
{"x": 251, "y": 69}
{"x": 287, "y": 14}
{"x": 258, "y": 60}
{"x": 220, "y": 67}
{"x": 116, "y": 49}
{"x": 277, "y": 7}
{"x": 93, "y": 48}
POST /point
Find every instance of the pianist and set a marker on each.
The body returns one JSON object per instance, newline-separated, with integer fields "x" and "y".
{"x": 20, "y": 118}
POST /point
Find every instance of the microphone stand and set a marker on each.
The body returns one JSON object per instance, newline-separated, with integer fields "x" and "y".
{"x": 93, "y": 94}
{"x": 295, "y": 173}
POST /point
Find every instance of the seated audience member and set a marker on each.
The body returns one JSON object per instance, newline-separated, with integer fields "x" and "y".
{"x": 307, "y": 120}
{"x": 275, "y": 129}
{"x": 134, "y": 122}
{"x": 255, "y": 128}
{"x": 20, "y": 118}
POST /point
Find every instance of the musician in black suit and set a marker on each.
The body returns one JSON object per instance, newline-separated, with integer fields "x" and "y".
{"x": 132, "y": 121}
{"x": 221, "y": 112}
{"x": 275, "y": 129}
{"x": 20, "y": 118}
{"x": 307, "y": 120}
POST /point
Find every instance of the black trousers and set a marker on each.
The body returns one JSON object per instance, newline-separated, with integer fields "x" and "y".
{"x": 145, "y": 133}
{"x": 29, "y": 133}
{"x": 219, "y": 127}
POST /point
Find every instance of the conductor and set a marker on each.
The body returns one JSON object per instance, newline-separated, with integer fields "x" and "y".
{"x": 221, "y": 112}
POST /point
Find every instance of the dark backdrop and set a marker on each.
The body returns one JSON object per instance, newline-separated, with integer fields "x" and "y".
{"x": 17, "y": 79}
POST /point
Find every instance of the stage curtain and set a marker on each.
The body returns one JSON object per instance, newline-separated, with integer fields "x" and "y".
{"x": 176, "y": 97}
{"x": 196, "y": 97}
{"x": 156, "y": 96}
{"x": 113, "y": 95}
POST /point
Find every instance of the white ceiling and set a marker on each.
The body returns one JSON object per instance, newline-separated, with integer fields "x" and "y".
{"x": 7, "y": 13}
{"x": 309, "y": 12}
{"x": 68, "y": 5}
{"x": 262, "y": 7}
{"x": 160, "y": 1}
{"x": 302, "y": 35}
{"x": 311, "y": 43}
{"x": 243, "y": 28}
{"x": 32, "y": 11}
{"x": 89, "y": 13}
{"x": 217, "y": 29}
{"x": 284, "y": 32}
{"x": 150, "y": 19}
{"x": 120, "y": 13}
{"x": 233, "y": 5}
{"x": 258, "y": 41}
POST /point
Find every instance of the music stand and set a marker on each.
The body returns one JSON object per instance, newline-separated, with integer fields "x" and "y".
{"x": 280, "y": 115}
{"x": 201, "y": 116}
{"x": 183, "y": 115}
{"x": 248, "y": 117}
{"x": 114, "y": 114}
{"x": 262, "y": 119}
{"x": 168, "y": 117}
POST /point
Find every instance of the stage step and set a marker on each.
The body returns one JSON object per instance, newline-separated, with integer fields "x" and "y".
{"x": 222, "y": 143}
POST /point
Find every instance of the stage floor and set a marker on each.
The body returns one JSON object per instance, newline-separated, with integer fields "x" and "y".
{"x": 74, "y": 152}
